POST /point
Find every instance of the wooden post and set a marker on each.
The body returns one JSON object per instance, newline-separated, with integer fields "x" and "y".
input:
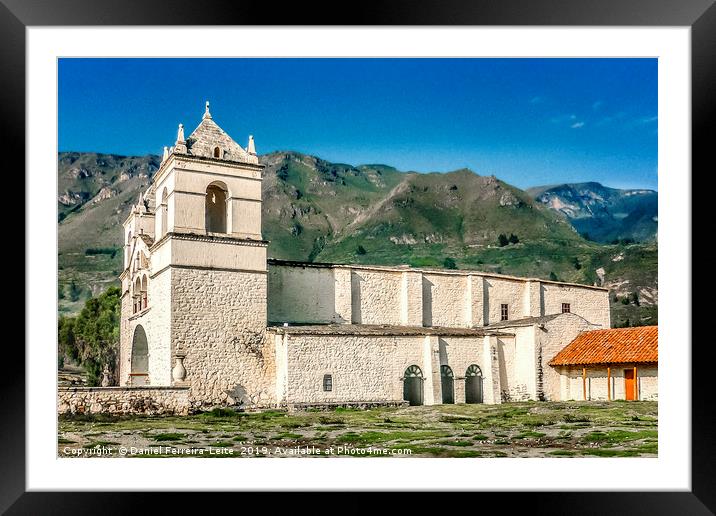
{"x": 584, "y": 382}
{"x": 609, "y": 383}
{"x": 636, "y": 386}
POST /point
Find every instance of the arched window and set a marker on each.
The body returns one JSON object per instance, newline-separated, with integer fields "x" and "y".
{"x": 217, "y": 152}
{"x": 139, "y": 374}
{"x": 447, "y": 383}
{"x": 128, "y": 249}
{"x": 137, "y": 295}
{"x": 327, "y": 382}
{"x": 413, "y": 385}
{"x": 145, "y": 285}
{"x": 163, "y": 208}
{"x": 215, "y": 209}
{"x": 473, "y": 384}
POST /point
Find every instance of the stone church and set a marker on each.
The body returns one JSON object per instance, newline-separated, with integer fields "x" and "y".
{"x": 205, "y": 313}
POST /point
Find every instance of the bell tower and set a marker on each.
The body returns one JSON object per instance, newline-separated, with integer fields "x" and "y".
{"x": 207, "y": 275}
{"x": 208, "y": 184}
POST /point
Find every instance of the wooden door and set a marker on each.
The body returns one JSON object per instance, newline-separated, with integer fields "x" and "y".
{"x": 447, "y": 384}
{"x": 629, "y": 384}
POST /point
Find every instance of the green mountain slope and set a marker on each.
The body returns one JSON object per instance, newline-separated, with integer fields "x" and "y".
{"x": 315, "y": 210}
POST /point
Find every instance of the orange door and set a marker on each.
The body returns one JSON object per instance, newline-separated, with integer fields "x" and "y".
{"x": 629, "y": 384}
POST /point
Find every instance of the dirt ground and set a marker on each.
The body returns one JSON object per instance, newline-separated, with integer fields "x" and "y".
{"x": 530, "y": 429}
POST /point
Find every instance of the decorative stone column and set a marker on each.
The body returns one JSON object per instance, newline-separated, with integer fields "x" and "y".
{"x": 179, "y": 371}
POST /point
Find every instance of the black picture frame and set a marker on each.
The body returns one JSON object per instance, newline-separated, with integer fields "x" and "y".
{"x": 700, "y": 15}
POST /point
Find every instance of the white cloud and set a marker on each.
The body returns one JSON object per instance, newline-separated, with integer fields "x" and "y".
{"x": 577, "y": 125}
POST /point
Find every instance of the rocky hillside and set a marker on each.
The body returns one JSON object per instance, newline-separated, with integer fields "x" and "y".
{"x": 315, "y": 210}
{"x": 603, "y": 214}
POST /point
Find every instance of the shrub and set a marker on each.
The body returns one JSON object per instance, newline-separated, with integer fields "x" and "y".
{"x": 360, "y": 250}
{"x": 449, "y": 263}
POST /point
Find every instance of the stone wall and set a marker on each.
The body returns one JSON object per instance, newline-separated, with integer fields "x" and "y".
{"x": 370, "y": 368}
{"x": 316, "y": 293}
{"x": 376, "y": 297}
{"x": 556, "y": 334}
{"x": 444, "y": 300}
{"x": 590, "y": 303}
{"x": 219, "y": 321}
{"x": 155, "y": 320}
{"x": 123, "y": 400}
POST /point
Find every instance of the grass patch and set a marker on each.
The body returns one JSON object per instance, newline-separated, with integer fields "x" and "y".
{"x": 561, "y": 453}
{"x": 221, "y": 444}
{"x": 381, "y": 437}
{"x": 455, "y": 443}
{"x": 529, "y": 435}
{"x": 480, "y": 437}
{"x": 611, "y": 453}
{"x": 287, "y": 435}
{"x": 618, "y": 436}
{"x": 99, "y": 444}
{"x": 170, "y": 436}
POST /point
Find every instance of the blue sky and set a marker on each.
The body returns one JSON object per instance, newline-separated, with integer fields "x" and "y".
{"x": 527, "y": 121}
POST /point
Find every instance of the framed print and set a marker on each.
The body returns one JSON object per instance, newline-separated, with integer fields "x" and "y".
{"x": 428, "y": 235}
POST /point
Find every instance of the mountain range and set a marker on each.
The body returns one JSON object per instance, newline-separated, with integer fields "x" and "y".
{"x": 601, "y": 213}
{"x": 316, "y": 210}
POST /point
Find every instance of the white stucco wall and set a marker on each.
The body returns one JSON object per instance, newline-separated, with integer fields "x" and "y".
{"x": 592, "y": 304}
{"x": 376, "y": 297}
{"x": 415, "y": 297}
{"x": 557, "y": 334}
{"x": 302, "y": 295}
{"x": 445, "y": 300}
{"x": 499, "y": 291}
{"x": 364, "y": 368}
{"x": 370, "y": 368}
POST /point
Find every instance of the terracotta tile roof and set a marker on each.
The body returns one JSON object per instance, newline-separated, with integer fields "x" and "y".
{"x": 618, "y": 345}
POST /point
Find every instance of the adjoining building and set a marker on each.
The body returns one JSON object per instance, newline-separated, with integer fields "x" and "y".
{"x": 206, "y": 314}
{"x": 610, "y": 364}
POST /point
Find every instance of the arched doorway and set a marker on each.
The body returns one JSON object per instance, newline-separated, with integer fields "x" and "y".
{"x": 139, "y": 374}
{"x": 447, "y": 381}
{"x": 473, "y": 384}
{"x": 215, "y": 209}
{"x": 413, "y": 385}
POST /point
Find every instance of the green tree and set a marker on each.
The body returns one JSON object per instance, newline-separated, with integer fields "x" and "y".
{"x": 60, "y": 291}
{"x": 635, "y": 298}
{"x": 625, "y": 300}
{"x": 576, "y": 263}
{"x": 513, "y": 238}
{"x": 503, "y": 240}
{"x": 66, "y": 338}
{"x": 75, "y": 291}
{"x": 553, "y": 276}
{"x": 361, "y": 250}
{"x": 95, "y": 333}
{"x": 449, "y": 263}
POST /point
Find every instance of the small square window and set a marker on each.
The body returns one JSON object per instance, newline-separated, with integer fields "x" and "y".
{"x": 565, "y": 308}
{"x": 504, "y": 312}
{"x": 327, "y": 382}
